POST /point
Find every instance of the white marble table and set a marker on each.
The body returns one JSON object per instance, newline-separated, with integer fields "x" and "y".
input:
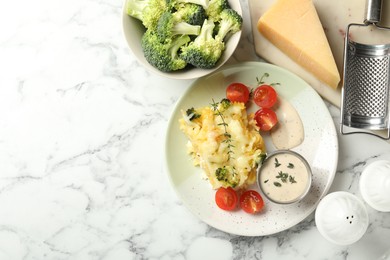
{"x": 82, "y": 129}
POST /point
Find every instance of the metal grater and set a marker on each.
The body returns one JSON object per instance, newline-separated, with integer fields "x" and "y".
{"x": 365, "y": 93}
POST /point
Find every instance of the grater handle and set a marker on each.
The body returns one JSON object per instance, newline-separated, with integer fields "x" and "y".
{"x": 373, "y": 11}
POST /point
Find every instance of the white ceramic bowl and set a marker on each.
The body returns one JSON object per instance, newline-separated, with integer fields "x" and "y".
{"x": 133, "y": 31}
{"x": 287, "y": 189}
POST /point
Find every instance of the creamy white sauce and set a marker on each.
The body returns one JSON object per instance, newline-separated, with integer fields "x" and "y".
{"x": 289, "y": 132}
{"x": 284, "y": 177}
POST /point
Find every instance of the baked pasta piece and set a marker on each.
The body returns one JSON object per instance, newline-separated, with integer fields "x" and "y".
{"x": 225, "y": 142}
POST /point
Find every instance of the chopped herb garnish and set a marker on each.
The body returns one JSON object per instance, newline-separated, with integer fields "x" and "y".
{"x": 277, "y": 164}
{"x": 285, "y": 177}
{"x": 292, "y": 179}
{"x": 277, "y": 184}
{"x": 290, "y": 165}
{"x": 266, "y": 181}
{"x": 282, "y": 176}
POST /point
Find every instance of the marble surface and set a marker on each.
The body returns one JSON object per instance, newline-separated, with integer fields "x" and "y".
{"x": 82, "y": 128}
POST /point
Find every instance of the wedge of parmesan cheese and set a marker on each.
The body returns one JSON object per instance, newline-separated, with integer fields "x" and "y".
{"x": 294, "y": 27}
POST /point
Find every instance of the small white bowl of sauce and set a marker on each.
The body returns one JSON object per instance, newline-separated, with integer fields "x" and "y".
{"x": 284, "y": 177}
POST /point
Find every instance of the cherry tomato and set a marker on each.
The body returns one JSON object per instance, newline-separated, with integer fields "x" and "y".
{"x": 237, "y": 92}
{"x": 265, "y": 96}
{"x": 266, "y": 119}
{"x": 226, "y": 198}
{"x": 251, "y": 201}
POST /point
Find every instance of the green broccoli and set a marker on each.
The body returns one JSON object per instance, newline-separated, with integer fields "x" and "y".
{"x": 225, "y": 103}
{"x": 168, "y": 26}
{"x": 191, "y": 13}
{"x": 227, "y": 176}
{"x": 164, "y": 55}
{"x": 230, "y": 22}
{"x": 176, "y": 3}
{"x": 192, "y": 114}
{"x": 215, "y": 8}
{"x": 204, "y": 51}
{"x": 147, "y": 11}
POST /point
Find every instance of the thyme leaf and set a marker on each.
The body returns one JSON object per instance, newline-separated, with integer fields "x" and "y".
{"x": 277, "y": 184}
{"x": 292, "y": 179}
{"x": 282, "y": 176}
{"x": 277, "y": 164}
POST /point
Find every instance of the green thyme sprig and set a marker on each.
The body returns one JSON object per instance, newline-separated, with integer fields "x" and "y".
{"x": 262, "y": 80}
{"x": 228, "y": 137}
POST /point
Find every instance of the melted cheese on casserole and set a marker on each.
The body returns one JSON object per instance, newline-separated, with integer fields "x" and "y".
{"x": 224, "y": 140}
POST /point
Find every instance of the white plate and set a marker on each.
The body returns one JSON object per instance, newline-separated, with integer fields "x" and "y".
{"x": 320, "y": 148}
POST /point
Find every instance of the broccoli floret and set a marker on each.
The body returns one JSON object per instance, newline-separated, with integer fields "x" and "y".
{"x": 230, "y": 22}
{"x": 204, "y": 51}
{"x": 164, "y": 55}
{"x": 168, "y": 26}
{"x": 215, "y": 8}
{"x": 191, "y": 13}
{"x": 221, "y": 174}
{"x": 227, "y": 177}
{"x": 261, "y": 158}
{"x": 176, "y": 3}
{"x": 148, "y": 11}
{"x": 225, "y": 103}
{"x": 192, "y": 114}
{"x": 135, "y": 8}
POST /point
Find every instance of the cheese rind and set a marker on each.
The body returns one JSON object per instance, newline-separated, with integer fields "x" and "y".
{"x": 294, "y": 27}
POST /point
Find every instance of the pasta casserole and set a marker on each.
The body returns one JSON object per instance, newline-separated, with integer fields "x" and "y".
{"x": 225, "y": 142}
